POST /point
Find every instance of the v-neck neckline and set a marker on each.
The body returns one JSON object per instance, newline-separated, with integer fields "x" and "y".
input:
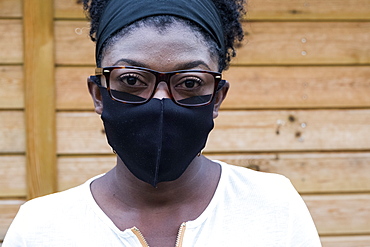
{"x": 189, "y": 224}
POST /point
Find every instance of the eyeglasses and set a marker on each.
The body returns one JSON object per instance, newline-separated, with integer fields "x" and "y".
{"x": 136, "y": 85}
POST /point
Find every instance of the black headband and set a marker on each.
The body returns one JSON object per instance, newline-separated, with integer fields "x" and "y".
{"x": 118, "y": 14}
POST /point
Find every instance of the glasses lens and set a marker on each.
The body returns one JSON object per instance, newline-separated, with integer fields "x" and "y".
{"x": 192, "y": 88}
{"x": 131, "y": 85}
{"x": 135, "y": 85}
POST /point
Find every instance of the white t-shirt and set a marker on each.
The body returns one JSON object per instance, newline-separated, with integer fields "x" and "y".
{"x": 249, "y": 208}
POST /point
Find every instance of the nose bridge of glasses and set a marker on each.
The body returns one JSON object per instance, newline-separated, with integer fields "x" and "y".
{"x": 162, "y": 90}
{"x": 163, "y": 77}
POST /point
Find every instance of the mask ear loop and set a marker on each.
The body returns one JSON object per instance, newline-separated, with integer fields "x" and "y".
{"x": 221, "y": 84}
{"x": 95, "y": 79}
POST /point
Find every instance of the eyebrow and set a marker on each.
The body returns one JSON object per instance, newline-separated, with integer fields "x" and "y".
{"x": 191, "y": 65}
{"x": 130, "y": 62}
{"x": 180, "y": 66}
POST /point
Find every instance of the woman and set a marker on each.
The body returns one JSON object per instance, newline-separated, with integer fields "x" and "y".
{"x": 158, "y": 88}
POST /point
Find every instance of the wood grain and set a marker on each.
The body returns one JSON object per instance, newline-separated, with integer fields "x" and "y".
{"x": 297, "y": 87}
{"x": 290, "y": 130}
{"x": 266, "y": 43}
{"x": 12, "y": 132}
{"x": 39, "y": 97}
{"x": 71, "y": 88}
{"x": 12, "y": 42}
{"x": 10, "y": 8}
{"x": 305, "y": 43}
{"x": 253, "y": 87}
{"x": 73, "y": 171}
{"x": 11, "y": 91}
{"x": 8, "y": 209}
{"x": 79, "y": 133}
{"x": 13, "y": 176}
{"x": 268, "y": 10}
{"x": 339, "y": 172}
{"x": 346, "y": 241}
{"x": 73, "y": 45}
{"x": 68, "y": 9}
{"x": 308, "y": 10}
{"x": 241, "y": 131}
{"x": 340, "y": 214}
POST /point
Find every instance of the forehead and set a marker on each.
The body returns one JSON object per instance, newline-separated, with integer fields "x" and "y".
{"x": 159, "y": 48}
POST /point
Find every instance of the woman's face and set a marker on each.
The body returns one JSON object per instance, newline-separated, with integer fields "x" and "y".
{"x": 175, "y": 48}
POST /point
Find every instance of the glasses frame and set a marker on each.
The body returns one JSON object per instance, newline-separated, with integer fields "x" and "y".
{"x": 160, "y": 76}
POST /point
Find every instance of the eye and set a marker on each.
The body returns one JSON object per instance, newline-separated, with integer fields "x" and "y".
{"x": 190, "y": 83}
{"x": 131, "y": 80}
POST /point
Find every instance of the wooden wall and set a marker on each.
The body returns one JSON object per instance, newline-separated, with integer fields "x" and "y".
{"x": 298, "y": 105}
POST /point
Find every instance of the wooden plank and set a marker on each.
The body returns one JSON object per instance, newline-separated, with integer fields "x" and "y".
{"x": 266, "y": 43}
{"x": 88, "y": 137}
{"x": 346, "y": 241}
{"x": 340, "y": 214}
{"x": 10, "y": 8}
{"x": 73, "y": 45}
{"x": 11, "y": 43}
{"x": 267, "y": 10}
{"x": 290, "y": 130}
{"x": 13, "y": 176}
{"x": 253, "y": 87}
{"x": 11, "y": 92}
{"x": 68, "y": 9}
{"x": 71, "y": 88}
{"x": 305, "y": 43}
{"x": 73, "y": 171}
{"x": 12, "y": 132}
{"x": 308, "y": 10}
{"x": 291, "y": 87}
{"x": 241, "y": 131}
{"x": 339, "y": 172}
{"x": 40, "y": 97}
{"x": 8, "y": 209}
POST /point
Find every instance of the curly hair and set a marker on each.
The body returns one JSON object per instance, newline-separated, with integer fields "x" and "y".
{"x": 230, "y": 13}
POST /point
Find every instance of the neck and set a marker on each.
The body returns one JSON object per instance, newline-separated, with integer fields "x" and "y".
{"x": 133, "y": 193}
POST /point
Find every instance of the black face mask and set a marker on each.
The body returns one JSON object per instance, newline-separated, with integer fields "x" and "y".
{"x": 157, "y": 140}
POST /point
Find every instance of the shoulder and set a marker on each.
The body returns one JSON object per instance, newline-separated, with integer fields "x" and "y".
{"x": 67, "y": 198}
{"x": 258, "y": 190}
{"x": 270, "y": 204}
{"x": 51, "y": 216}
{"x": 247, "y": 179}
{"x": 56, "y": 200}
{"x": 46, "y": 209}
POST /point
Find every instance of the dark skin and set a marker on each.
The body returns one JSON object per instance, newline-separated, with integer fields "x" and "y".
{"x": 128, "y": 201}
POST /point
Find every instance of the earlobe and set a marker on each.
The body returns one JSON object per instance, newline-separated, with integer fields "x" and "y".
{"x": 220, "y": 96}
{"x": 95, "y": 95}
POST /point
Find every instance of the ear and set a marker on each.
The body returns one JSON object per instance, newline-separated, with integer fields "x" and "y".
{"x": 220, "y": 96}
{"x": 96, "y": 96}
